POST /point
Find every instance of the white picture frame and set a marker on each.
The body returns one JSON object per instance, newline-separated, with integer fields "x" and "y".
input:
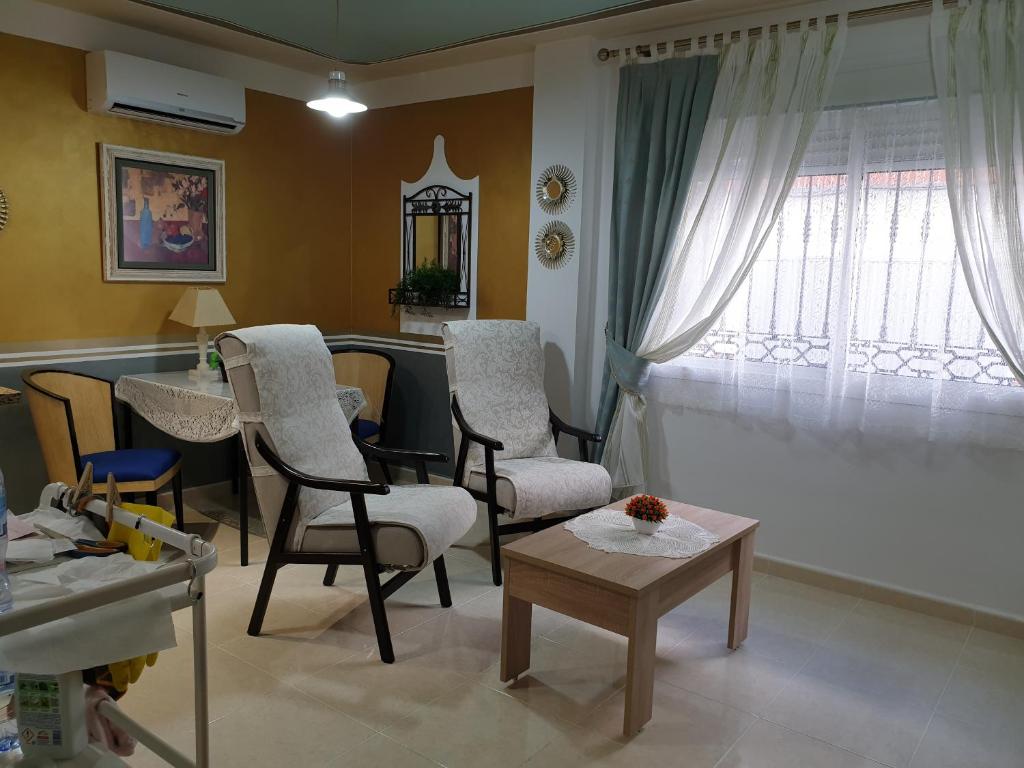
{"x": 178, "y": 235}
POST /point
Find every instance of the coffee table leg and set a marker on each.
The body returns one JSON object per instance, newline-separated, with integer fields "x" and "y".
{"x": 643, "y": 641}
{"x": 516, "y": 620}
{"x": 742, "y": 568}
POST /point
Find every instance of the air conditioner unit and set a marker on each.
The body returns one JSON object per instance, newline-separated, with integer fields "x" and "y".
{"x": 119, "y": 84}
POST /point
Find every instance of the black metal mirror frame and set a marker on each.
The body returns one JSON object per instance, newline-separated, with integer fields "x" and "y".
{"x": 439, "y": 200}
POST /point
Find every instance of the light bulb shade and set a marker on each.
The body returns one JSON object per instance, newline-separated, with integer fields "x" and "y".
{"x": 336, "y": 101}
{"x": 201, "y": 307}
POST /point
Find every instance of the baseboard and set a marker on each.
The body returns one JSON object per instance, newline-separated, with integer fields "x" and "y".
{"x": 950, "y": 610}
{"x": 931, "y": 605}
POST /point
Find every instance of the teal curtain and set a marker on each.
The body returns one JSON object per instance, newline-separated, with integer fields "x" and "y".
{"x": 662, "y": 111}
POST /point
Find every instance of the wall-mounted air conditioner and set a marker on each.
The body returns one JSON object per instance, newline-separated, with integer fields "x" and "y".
{"x": 119, "y": 84}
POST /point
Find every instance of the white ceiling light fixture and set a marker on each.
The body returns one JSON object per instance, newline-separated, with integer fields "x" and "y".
{"x": 337, "y": 101}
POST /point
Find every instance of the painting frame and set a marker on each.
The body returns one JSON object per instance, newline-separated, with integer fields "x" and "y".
{"x": 113, "y": 159}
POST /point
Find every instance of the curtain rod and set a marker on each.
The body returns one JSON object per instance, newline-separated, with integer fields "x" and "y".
{"x": 687, "y": 43}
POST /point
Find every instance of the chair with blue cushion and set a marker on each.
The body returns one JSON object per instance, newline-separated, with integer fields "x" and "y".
{"x": 73, "y": 414}
{"x": 373, "y": 372}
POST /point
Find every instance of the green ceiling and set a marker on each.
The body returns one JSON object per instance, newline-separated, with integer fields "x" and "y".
{"x": 378, "y": 30}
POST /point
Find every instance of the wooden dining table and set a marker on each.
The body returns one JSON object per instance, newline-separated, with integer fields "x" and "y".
{"x": 203, "y": 412}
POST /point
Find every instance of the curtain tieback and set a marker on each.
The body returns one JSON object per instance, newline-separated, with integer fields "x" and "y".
{"x": 628, "y": 369}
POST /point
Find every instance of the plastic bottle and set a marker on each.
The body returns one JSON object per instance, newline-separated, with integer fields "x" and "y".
{"x": 8, "y": 725}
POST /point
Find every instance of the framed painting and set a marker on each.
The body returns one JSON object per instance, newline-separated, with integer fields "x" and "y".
{"x": 163, "y": 217}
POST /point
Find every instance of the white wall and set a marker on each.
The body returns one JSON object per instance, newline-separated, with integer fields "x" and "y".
{"x": 565, "y": 126}
{"x": 943, "y": 521}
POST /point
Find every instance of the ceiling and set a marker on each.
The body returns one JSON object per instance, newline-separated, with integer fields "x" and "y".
{"x": 371, "y": 31}
{"x": 429, "y": 39}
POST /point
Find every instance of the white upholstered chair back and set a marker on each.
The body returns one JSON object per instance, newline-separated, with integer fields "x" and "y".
{"x": 283, "y": 383}
{"x": 496, "y": 370}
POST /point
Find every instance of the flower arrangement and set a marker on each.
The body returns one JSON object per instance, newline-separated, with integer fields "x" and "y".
{"x": 650, "y": 509}
{"x": 193, "y": 192}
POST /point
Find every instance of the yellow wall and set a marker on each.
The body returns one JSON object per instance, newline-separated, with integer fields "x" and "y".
{"x": 304, "y": 193}
{"x": 488, "y": 135}
{"x": 287, "y": 182}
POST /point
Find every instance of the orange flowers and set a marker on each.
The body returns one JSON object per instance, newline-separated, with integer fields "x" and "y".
{"x": 649, "y": 508}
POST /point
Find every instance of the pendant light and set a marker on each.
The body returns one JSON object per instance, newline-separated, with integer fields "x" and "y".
{"x": 336, "y": 100}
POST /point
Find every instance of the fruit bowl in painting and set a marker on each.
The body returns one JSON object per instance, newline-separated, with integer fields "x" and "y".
{"x": 178, "y": 242}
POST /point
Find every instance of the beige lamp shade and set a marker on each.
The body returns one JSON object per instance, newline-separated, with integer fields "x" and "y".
{"x": 200, "y": 308}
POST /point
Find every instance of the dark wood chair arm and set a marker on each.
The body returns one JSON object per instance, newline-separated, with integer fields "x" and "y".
{"x": 310, "y": 481}
{"x": 469, "y": 433}
{"x": 386, "y": 456}
{"x": 561, "y": 426}
{"x": 398, "y": 455}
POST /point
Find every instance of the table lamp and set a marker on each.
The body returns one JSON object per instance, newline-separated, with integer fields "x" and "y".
{"x": 199, "y": 308}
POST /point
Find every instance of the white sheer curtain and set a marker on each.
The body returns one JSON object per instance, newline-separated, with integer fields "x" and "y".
{"x": 856, "y": 317}
{"x": 978, "y": 58}
{"x": 768, "y": 96}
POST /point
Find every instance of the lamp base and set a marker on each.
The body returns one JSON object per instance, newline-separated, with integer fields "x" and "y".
{"x": 202, "y": 373}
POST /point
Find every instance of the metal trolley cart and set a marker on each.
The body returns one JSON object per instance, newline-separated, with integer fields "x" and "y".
{"x": 183, "y": 580}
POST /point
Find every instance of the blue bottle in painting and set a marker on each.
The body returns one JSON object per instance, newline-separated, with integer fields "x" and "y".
{"x": 145, "y": 224}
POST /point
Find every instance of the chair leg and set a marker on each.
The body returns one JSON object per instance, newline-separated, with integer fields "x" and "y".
{"x": 441, "y": 575}
{"x": 380, "y": 617}
{"x": 259, "y": 610}
{"x": 243, "y": 507}
{"x": 331, "y": 575}
{"x": 492, "y": 519}
{"x": 151, "y": 498}
{"x": 235, "y": 450}
{"x": 179, "y": 502}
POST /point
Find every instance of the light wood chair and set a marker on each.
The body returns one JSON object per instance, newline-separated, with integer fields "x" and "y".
{"x": 75, "y": 424}
{"x": 373, "y": 372}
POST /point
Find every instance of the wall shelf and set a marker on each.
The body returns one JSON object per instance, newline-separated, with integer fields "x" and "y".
{"x": 461, "y": 301}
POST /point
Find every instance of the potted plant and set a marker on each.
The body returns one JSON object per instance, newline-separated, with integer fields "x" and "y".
{"x": 647, "y": 513}
{"x": 427, "y": 285}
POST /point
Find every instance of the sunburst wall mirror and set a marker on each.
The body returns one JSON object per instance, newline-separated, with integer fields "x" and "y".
{"x": 555, "y": 244}
{"x": 556, "y": 189}
{"x": 3, "y": 210}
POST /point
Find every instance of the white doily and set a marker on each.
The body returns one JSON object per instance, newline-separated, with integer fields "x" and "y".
{"x": 612, "y": 531}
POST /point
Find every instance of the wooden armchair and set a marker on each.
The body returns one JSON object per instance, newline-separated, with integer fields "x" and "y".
{"x": 315, "y": 497}
{"x": 506, "y": 433}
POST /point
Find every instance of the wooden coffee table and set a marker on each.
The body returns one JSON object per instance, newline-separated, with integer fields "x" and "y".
{"x": 622, "y": 593}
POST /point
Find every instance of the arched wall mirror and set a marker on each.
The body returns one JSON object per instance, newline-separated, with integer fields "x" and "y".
{"x": 440, "y": 226}
{"x": 438, "y": 229}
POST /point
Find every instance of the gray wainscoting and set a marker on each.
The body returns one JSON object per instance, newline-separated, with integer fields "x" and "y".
{"x": 419, "y": 418}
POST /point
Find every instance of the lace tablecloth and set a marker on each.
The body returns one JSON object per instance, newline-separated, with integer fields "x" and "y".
{"x": 199, "y": 413}
{"x": 611, "y": 530}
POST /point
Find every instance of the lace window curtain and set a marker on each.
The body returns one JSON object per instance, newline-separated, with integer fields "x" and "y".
{"x": 856, "y": 316}
{"x": 978, "y": 59}
{"x": 768, "y": 96}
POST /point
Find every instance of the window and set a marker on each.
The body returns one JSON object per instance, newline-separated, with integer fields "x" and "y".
{"x": 858, "y": 292}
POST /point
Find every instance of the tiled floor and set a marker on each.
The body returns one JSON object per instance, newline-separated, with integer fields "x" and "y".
{"x": 824, "y": 681}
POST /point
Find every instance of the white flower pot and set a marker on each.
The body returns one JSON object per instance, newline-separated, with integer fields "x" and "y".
{"x": 646, "y": 527}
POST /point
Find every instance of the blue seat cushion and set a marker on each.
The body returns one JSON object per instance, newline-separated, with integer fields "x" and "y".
{"x": 366, "y": 429}
{"x": 131, "y": 464}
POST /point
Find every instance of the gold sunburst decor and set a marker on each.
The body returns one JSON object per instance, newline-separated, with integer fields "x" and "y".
{"x": 556, "y": 189}
{"x": 555, "y": 244}
{"x": 3, "y": 210}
